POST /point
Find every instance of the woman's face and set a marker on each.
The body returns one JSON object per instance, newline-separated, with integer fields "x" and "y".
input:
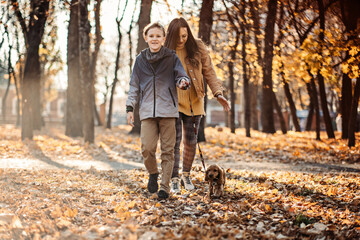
{"x": 155, "y": 38}
{"x": 183, "y": 36}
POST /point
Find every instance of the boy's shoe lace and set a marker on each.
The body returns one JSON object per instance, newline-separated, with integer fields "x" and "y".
{"x": 175, "y": 185}
{"x": 153, "y": 184}
{"x": 186, "y": 181}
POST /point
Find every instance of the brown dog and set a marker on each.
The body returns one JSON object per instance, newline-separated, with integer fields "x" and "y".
{"x": 215, "y": 175}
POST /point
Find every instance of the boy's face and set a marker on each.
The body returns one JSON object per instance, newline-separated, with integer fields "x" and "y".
{"x": 155, "y": 38}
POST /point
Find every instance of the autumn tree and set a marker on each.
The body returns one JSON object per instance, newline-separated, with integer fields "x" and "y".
{"x": 33, "y": 31}
{"x": 113, "y": 86}
{"x": 267, "y": 115}
{"x": 74, "y": 117}
{"x": 94, "y": 55}
{"x": 85, "y": 78}
{"x": 349, "y": 102}
{"x": 205, "y": 25}
{"x": 320, "y": 77}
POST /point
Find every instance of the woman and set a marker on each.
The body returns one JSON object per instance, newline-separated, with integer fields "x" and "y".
{"x": 195, "y": 58}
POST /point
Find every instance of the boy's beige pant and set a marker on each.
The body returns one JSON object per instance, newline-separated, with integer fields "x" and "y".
{"x": 151, "y": 130}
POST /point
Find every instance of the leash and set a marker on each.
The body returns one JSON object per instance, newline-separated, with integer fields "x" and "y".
{"x": 196, "y": 132}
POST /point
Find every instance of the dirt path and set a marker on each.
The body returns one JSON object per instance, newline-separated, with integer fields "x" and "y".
{"x": 77, "y": 164}
{"x": 115, "y": 149}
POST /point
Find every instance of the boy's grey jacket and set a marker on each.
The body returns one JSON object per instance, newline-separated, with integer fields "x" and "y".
{"x": 155, "y": 89}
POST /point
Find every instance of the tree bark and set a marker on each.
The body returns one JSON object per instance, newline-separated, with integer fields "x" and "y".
{"x": 267, "y": 116}
{"x": 232, "y": 92}
{"x": 254, "y": 110}
{"x": 254, "y": 6}
{"x": 324, "y": 105}
{"x": 345, "y": 104}
{"x": 94, "y": 57}
{"x": 74, "y": 116}
{"x": 279, "y": 112}
{"x": 117, "y": 61}
{"x": 86, "y": 81}
{"x": 205, "y": 25}
{"x": 33, "y": 33}
{"x": 317, "y": 108}
{"x": 311, "y": 107}
{"x": 144, "y": 19}
{"x": 247, "y": 100}
{"x": 353, "y": 115}
{"x": 291, "y": 103}
{"x": 10, "y": 71}
{"x": 113, "y": 87}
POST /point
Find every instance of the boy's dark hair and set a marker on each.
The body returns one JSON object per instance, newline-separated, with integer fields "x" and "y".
{"x": 153, "y": 25}
{"x": 172, "y": 37}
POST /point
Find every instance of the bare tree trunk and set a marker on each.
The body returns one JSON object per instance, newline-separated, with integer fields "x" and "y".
{"x": 130, "y": 39}
{"x": 311, "y": 107}
{"x": 254, "y": 111}
{"x": 291, "y": 103}
{"x": 86, "y": 81}
{"x": 117, "y": 60}
{"x": 350, "y": 18}
{"x": 10, "y": 70}
{"x": 254, "y": 6}
{"x": 144, "y": 19}
{"x": 247, "y": 100}
{"x": 205, "y": 25}
{"x": 31, "y": 84}
{"x": 233, "y": 50}
{"x": 317, "y": 109}
{"x": 279, "y": 112}
{"x": 74, "y": 116}
{"x": 345, "y": 103}
{"x": 231, "y": 89}
{"x": 353, "y": 115}
{"x": 18, "y": 84}
{"x": 324, "y": 105}
{"x": 98, "y": 40}
{"x": 267, "y": 116}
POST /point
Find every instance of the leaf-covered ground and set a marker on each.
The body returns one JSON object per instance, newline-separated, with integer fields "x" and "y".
{"x": 58, "y": 200}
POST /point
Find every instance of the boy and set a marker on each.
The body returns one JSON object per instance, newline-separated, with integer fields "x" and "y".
{"x": 156, "y": 73}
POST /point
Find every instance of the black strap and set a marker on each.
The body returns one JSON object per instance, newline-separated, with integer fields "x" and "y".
{"x": 196, "y": 132}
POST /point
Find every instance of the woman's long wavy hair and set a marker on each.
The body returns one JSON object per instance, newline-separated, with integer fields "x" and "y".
{"x": 172, "y": 37}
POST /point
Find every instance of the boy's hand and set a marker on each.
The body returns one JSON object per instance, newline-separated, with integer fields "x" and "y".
{"x": 183, "y": 84}
{"x": 130, "y": 118}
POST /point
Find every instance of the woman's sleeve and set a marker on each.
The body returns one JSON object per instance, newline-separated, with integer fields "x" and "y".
{"x": 179, "y": 71}
{"x": 208, "y": 70}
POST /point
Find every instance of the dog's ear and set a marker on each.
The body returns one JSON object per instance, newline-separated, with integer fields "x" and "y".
{"x": 206, "y": 175}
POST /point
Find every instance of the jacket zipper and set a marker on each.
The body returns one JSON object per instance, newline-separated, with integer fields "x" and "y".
{"x": 154, "y": 94}
{"x": 172, "y": 97}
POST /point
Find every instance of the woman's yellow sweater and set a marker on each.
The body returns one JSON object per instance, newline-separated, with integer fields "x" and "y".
{"x": 185, "y": 96}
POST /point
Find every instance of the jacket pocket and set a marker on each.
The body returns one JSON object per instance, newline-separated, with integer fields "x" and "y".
{"x": 172, "y": 97}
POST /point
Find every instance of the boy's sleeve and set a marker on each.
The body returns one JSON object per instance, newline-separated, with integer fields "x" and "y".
{"x": 133, "y": 91}
{"x": 180, "y": 73}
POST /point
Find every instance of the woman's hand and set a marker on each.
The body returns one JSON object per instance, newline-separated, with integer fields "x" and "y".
{"x": 130, "y": 118}
{"x": 224, "y": 103}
